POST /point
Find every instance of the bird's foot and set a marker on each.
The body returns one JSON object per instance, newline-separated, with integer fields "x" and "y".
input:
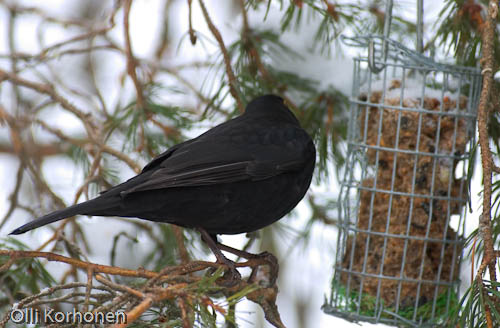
{"x": 258, "y": 275}
{"x": 231, "y": 276}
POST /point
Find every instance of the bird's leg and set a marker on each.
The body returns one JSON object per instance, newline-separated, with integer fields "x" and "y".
{"x": 266, "y": 256}
{"x": 212, "y": 244}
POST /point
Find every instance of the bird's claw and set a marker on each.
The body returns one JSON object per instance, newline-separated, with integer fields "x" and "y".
{"x": 231, "y": 276}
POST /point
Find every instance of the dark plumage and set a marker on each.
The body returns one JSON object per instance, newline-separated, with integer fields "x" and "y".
{"x": 239, "y": 176}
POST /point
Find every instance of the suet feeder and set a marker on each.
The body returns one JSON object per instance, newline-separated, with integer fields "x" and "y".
{"x": 403, "y": 196}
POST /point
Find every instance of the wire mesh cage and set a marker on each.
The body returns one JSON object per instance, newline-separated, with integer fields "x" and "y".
{"x": 403, "y": 196}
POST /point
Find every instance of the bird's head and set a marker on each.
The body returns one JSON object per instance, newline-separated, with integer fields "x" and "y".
{"x": 271, "y": 106}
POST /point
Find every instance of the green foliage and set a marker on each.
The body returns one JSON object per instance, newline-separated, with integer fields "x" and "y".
{"x": 325, "y": 118}
{"x": 165, "y": 252}
{"x": 206, "y": 303}
{"x": 367, "y": 305}
{"x": 108, "y": 173}
{"x": 26, "y": 277}
{"x": 321, "y": 112}
{"x": 459, "y": 30}
{"x": 474, "y": 303}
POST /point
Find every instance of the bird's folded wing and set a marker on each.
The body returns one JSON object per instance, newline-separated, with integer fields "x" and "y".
{"x": 201, "y": 165}
{"x": 216, "y": 174}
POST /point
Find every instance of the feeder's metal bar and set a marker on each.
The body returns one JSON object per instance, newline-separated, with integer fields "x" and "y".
{"x": 393, "y": 178}
{"x": 376, "y": 174}
{"x": 471, "y": 135}
{"x": 448, "y": 208}
{"x": 363, "y": 170}
{"x": 398, "y": 48}
{"x": 403, "y": 319}
{"x": 356, "y": 318}
{"x": 349, "y": 174}
{"x": 405, "y": 247}
{"x": 417, "y": 66}
{"x": 411, "y": 152}
{"x": 417, "y": 110}
{"x": 448, "y": 203}
{"x": 344, "y": 206}
{"x": 402, "y": 279}
{"x": 420, "y": 26}
{"x": 387, "y": 20}
{"x": 407, "y": 194}
{"x": 406, "y": 237}
{"x": 431, "y": 204}
{"x": 372, "y": 196}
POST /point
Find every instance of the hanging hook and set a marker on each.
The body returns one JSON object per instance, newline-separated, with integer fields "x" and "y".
{"x": 371, "y": 58}
{"x": 371, "y": 45}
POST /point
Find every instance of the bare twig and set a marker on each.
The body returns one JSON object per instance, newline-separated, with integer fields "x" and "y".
{"x": 131, "y": 62}
{"x": 90, "y": 275}
{"x": 189, "y": 267}
{"x": 179, "y": 237}
{"x": 50, "y": 91}
{"x": 185, "y": 319}
{"x": 103, "y": 147}
{"x": 85, "y": 36}
{"x": 123, "y": 288}
{"x": 78, "y": 264}
{"x": 233, "y": 88}
{"x": 130, "y": 162}
{"x": 192, "y": 33}
{"x": 13, "y": 196}
{"x": 254, "y": 53}
{"x": 136, "y": 312}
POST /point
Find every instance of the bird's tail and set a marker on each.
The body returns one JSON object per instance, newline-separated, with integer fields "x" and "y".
{"x": 91, "y": 207}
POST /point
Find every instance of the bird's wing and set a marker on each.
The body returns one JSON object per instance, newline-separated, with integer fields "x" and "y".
{"x": 206, "y": 162}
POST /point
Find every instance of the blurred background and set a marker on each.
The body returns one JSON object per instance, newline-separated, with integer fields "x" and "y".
{"x": 95, "y": 89}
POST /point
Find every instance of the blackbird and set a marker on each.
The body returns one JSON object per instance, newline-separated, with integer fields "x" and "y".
{"x": 237, "y": 177}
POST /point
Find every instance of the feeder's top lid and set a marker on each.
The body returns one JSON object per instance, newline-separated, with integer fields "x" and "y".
{"x": 397, "y": 52}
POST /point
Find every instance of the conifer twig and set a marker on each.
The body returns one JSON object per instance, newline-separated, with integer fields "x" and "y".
{"x": 483, "y": 118}
{"x": 487, "y": 61}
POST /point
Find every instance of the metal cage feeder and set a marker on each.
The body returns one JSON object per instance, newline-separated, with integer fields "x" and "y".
{"x": 403, "y": 196}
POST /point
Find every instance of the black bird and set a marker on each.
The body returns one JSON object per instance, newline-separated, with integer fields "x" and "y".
{"x": 239, "y": 176}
